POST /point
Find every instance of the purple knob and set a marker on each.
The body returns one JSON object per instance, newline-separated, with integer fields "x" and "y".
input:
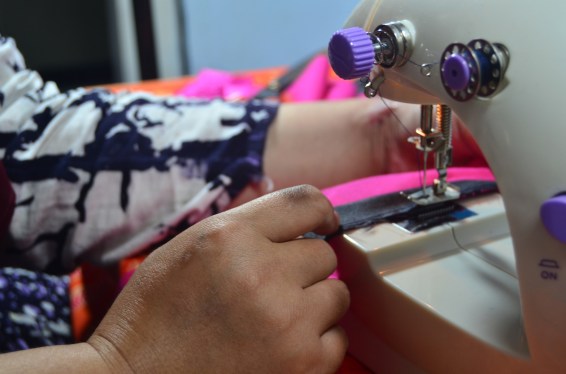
{"x": 553, "y": 214}
{"x": 456, "y": 72}
{"x": 351, "y": 53}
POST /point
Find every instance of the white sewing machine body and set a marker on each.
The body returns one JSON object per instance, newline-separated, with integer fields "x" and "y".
{"x": 444, "y": 300}
{"x": 486, "y": 294}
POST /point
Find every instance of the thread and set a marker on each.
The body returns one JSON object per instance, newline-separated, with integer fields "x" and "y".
{"x": 420, "y": 166}
{"x": 417, "y": 153}
{"x": 371, "y": 15}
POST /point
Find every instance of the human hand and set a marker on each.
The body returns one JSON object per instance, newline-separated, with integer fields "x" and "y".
{"x": 238, "y": 292}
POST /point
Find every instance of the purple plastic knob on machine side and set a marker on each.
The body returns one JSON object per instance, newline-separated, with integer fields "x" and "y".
{"x": 456, "y": 72}
{"x": 553, "y": 214}
{"x": 351, "y": 53}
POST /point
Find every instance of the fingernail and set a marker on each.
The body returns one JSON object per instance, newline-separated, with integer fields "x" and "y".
{"x": 337, "y": 217}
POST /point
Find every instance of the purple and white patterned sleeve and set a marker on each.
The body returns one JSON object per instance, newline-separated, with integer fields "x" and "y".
{"x": 34, "y": 310}
{"x": 100, "y": 176}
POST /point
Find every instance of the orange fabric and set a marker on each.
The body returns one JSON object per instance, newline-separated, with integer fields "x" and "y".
{"x": 92, "y": 291}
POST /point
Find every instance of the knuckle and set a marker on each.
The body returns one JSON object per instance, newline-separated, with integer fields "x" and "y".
{"x": 304, "y": 190}
{"x": 217, "y": 232}
{"x": 340, "y": 294}
{"x": 216, "y": 241}
{"x": 302, "y": 193}
{"x": 325, "y": 253}
{"x": 248, "y": 282}
{"x": 320, "y": 255}
{"x": 311, "y": 196}
{"x": 281, "y": 320}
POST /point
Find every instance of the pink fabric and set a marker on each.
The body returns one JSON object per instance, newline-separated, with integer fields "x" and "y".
{"x": 315, "y": 83}
{"x": 341, "y": 89}
{"x": 318, "y": 83}
{"x": 311, "y": 85}
{"x": 389, "y": 183}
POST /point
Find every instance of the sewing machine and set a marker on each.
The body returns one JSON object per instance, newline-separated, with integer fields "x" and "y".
{"x": 486, "y": 293}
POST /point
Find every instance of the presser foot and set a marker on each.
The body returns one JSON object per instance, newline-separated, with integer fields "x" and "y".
{"x": 428, "y": 196}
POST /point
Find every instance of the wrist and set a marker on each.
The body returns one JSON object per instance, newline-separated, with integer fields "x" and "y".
{"x": 106, "y": 355}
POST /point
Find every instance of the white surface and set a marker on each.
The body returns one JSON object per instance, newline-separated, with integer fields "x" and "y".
{"x": 127, "y": 46}
{"x": 169, "y": 39}
{"x": 468, "y": 292}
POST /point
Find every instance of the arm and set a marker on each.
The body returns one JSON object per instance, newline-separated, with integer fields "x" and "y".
{"x": 322, "y": 143}
{"x": 332, "y": 142}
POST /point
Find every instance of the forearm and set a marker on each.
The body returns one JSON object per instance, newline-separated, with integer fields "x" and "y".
{"x": 322, "y": 143}
{"x": 57, "y": 359}
{"x": 328, "y": 143}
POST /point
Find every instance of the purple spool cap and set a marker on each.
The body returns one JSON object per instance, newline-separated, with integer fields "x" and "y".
{"x": 456, "y": 72}
{"x": 351, "y": 53}
{"x": 553, "y": 214}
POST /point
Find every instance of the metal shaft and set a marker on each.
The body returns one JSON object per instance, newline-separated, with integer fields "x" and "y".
{"x": 443, "y": 157}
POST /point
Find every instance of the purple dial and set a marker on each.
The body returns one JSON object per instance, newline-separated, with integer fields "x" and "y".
{"x": 351, "y": 53}
{"x": 553, "y": 214}
{"x": 456, "y": 72}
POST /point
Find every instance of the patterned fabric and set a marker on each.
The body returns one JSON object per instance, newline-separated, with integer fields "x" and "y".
{"x": 101, "y": 176}
{"x": 34, "y": 310}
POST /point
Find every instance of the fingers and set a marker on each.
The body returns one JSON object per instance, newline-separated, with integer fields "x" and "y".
{"x": 334, "y": 346}
{"x": 308, "y": 260}
{"x": 329, "y": 300}
{"x": 286, "y": 214}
